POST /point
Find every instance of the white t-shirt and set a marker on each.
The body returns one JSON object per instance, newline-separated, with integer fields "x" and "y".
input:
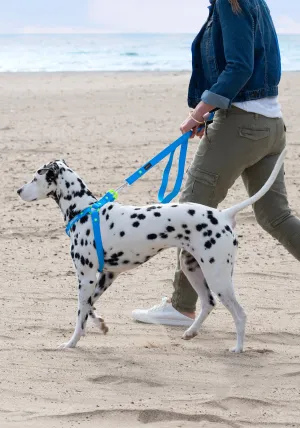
{"x": 268, "y": 107}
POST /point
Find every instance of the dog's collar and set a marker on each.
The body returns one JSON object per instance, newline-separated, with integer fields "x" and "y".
{"x": 93, "y": 210}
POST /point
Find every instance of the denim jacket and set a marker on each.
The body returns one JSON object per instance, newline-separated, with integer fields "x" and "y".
{"x": 235, "y": 56}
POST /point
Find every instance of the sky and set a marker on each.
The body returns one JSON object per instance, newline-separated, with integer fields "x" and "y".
{"x": 97, "y": 16}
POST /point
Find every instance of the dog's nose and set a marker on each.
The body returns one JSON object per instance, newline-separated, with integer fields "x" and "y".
{"x": 19, "y": 191}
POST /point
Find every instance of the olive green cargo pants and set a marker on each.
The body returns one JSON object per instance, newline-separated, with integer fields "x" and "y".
{"x": 247, "y": 144}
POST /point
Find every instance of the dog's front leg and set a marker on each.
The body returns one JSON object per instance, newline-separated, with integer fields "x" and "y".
{"x": 85, "y": 293}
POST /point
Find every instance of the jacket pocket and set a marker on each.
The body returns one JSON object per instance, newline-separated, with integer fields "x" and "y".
{"x": 254, "y": 134}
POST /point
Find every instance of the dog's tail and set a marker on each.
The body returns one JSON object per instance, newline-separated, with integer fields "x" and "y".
{"x": 231, "y": 212}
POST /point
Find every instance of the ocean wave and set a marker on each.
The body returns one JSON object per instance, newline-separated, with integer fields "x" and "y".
{"x": 129, "y": 54}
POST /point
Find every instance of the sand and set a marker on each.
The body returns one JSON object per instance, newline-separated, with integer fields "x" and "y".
{"x": 105, "y": 126}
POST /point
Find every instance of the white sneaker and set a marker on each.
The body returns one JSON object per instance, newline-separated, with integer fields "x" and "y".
{"x": 164, "y": 313}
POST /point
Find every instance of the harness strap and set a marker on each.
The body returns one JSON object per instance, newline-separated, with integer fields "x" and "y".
{"x": 98, "y": 240}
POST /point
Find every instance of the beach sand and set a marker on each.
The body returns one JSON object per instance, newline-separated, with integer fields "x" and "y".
{"x": 105, "y": 126}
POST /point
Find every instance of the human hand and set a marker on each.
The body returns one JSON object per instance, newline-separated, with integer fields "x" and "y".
{"x": 192, "y": 123}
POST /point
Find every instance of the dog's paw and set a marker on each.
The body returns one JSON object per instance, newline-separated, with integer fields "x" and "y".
{"x": 236, "y": 350}
{"x": 189, "y": 334}
{"x": 104, "y": 328}
{"x": 67, "y": 345}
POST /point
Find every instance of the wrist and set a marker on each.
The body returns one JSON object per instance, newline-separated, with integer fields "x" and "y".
{"x": 202, "y": 109}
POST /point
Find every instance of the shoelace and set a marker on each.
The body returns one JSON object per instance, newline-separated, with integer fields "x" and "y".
{"x": 161, "y": 305}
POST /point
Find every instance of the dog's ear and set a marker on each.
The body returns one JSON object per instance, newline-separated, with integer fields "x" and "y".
{"x": 52, "y": 170}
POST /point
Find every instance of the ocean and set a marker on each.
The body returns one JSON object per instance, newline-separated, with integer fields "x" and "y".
{"x": 112, "y": 52}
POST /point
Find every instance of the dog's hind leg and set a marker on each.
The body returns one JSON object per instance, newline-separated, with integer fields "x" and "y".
{"x": 104, "y": 281}
{"x": 194, "y": 274}
{"x": 220, "y": 282}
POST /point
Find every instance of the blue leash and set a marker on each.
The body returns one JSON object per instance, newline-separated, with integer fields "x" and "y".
{"x": 112, "y": 195}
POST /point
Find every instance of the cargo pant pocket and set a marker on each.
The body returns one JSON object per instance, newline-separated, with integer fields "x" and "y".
{"x": 200, "y": 187}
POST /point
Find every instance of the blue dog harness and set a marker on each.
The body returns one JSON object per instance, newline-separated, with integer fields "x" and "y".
{"x": 112, "y": 195}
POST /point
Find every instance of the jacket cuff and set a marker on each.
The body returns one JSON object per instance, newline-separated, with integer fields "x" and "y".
{"x": 215, "y": 100}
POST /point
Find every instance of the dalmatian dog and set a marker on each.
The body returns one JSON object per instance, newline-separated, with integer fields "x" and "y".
{"x": 132, "y": 235}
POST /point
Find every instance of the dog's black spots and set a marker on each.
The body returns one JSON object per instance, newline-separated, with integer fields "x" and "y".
{"x": 87, "y": 261}
{"x": 68, "y": 198}
{"x": 88, "y": 232}
{"x": 184, "y": 226}
{"x": 169, "y": 219}
{"x": 151, "y": 208}
{"x": 212, "y": 219}
{"x": 84, "y": 219}
{"x": 120, "y": 254}
{"x": 81, "y": 242}
{"x": 141, "y": 216}
{"x": 79, "y": 286}
{"x": 82, "y": 259}
{"x": 205, "y": 284}
{"x": 77, "y": 256}
{"x": 219, "y": 294}
{"x": 137, "y": 209}
{"x": 73, "y": 227}
{"x": 163, "y": 235}
{"x": 122, "y": 234}
{"x": 211, "y": 260}
{"x": 67, "y": 184}
{"x": 190, "y": 260}
{"x": 115, "y": 256}
{"x": 218, "y": 235}
{"x": 90, "y": 301}
{"x": 209, "y": 212}
{"x": 72, "y": 254}
{"x": 187, "y": 231}
{"x": 125, "y": 262}
{"x": 102, "y": 281}
{"x": 91, "y": 265}
{"x": 191, "y": 269}
{"x": 223, "y": 231}
{"x": 81, "y": 183}
{"x": 94, "y": 243}
{"x": 110, "y": 207}
{"x": 179, "y": 236}
{"x": 96, "y": 295}
{"x": 157, "y": 214}
{"x": 213, "y": 241}
{"x": 82, "y": 326}
{"x": 91, "y": 282}
{"x": 86, "y": 243}
{"x": 202, "y": 261}
{"x": 152, "y": 236}
{"x": 228, "y": 229}
{"x": 173, "y": 206}
{"x": 186, "y": 238}
{"x": 133, "y": 216}
{"x": 207, "y": 245}
{"x": 78, "y": 313}
{"x": 170, "y": 229}
{"x": 111, "y": 225}
{"x": 201, "y": 226}
{"x": 235, "y": 242}
{"x": 113, "y": 262}
{"x": 136, "y": 224}
{"x": 211, "y": 300}
{"x": 86, "y": 317}
{"x": 147, "y": 258}
{"x": 72, "y": 247}
{"x": 227, "y": 261}
{"x": 107, "y": 217}
{"x": 139, "y": 255}
{"x": 205, "y": 234}
{"x": 110, "y": 275}
{"x": 79, "y": 194}
{"x": 191, "y": 212}
{"x": 209, "y": 233}
{"x": 104, "y": 211}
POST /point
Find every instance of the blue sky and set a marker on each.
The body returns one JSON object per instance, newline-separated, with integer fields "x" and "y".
{"x": 55, "y": 16}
